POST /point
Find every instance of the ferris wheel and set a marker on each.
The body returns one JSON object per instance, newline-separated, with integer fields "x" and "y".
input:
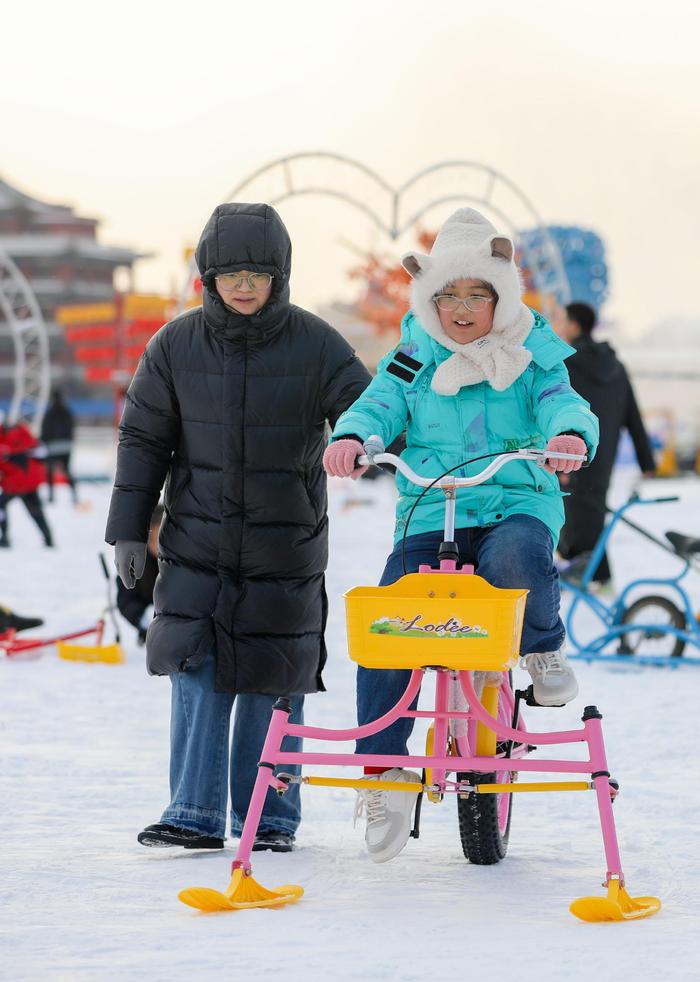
{"x": 395, "y": 210}
{"x": 22, "y": 316}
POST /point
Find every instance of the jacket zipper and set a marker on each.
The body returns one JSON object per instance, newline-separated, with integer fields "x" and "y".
{"x": 240, "y": 543}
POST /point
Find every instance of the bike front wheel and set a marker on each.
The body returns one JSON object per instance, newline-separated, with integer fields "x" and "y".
{"x": 484, "y": 819}
{"x": 654, "y": 615}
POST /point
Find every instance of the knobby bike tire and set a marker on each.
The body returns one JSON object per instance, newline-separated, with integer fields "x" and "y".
{"x": 483, "y": 842}
{"x": 483, "y": 834}
{"x": 676, "y": 644}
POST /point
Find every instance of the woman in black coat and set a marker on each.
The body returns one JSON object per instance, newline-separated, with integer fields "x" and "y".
{"x": 228, "y": 408}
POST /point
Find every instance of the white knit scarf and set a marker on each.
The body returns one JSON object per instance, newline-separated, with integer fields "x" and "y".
{"x": 498, "y": 358}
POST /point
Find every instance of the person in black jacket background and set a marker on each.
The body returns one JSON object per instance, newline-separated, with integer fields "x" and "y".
{"x": 228, "y": 407}
{"x": 136, "y": 605}
{"x": 57, "y": 430}
{"x": 597, "y": 374}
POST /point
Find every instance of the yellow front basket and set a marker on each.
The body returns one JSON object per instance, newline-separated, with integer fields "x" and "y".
{"x": 454, "y": 620}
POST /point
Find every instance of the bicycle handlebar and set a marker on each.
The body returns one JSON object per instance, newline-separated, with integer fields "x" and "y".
{"x": 540, "y": 456}
{"x": 636, "y": 500}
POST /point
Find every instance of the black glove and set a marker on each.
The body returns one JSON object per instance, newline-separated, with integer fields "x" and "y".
{"x": 130, "y": 561}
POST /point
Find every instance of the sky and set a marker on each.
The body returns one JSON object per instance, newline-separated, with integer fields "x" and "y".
{"x": 147, "y": 115}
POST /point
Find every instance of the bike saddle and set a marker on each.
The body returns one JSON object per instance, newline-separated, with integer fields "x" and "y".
{"x": 685, "y": 545}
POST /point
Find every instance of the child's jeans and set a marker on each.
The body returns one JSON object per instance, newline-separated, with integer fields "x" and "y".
{"x": 515, "y": 554}
{"x": 199, "y": 757}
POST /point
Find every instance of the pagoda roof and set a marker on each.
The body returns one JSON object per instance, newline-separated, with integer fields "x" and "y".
{"x": 29, "y": 245}
{"x": 11, "y": 198}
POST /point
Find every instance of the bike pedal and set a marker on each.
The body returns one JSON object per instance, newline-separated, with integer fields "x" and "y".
{"x": 529, "y": 696}
{"x": 415, "y": 831}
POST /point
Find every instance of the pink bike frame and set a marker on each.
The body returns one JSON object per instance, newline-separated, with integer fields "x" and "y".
{"x": 438, "y": 762}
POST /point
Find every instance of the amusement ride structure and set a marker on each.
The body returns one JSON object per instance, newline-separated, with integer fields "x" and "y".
{"x": 24, "y": 320}
{"x": 396, "y": 210}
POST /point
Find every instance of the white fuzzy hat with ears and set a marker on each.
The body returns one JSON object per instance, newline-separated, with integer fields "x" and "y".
{"x": 469, "y": 247}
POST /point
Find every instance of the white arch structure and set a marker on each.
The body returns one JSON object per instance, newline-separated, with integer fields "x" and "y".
{"x": 396, "y": 210}
{"x": 22, "y": 314}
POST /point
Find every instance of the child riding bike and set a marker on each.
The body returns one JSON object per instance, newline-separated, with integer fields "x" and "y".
{"x": 476, "y": 373}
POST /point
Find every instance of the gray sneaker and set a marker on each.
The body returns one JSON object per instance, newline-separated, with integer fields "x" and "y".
{"x": 388, "y": 815}
{"x": 553, "y": 680}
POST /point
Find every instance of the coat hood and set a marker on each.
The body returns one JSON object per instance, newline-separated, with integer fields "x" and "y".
{"x": 245, "y": 236}
{"x": 468, "y": 247}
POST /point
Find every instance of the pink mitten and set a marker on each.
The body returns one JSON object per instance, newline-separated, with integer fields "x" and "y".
{"x": 339, "y": 459}
{"x": 565, "y": 444}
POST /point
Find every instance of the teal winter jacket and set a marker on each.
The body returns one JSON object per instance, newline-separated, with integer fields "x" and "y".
{"x": 442, "y": 431}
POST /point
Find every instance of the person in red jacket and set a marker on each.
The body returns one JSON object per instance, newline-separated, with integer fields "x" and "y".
{"x": 21, "y": 473}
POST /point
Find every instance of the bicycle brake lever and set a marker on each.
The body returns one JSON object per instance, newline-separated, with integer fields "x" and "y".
{"x": 373, "y": 445}
{"x": 541, "y": 457}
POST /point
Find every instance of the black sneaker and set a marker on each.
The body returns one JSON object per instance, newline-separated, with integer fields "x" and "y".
{"x": 273, "y": 840}
{"x": 8, "y": 619}
{"x": 162, "y": 835}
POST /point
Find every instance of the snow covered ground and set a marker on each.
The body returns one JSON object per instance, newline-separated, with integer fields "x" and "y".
{"x": 83, "y": 767}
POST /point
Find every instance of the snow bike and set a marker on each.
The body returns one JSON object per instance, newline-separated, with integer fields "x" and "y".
{"x": 650, "y": 629}
{"x": 451, "y": 622}
{"x": 96, "y": 652}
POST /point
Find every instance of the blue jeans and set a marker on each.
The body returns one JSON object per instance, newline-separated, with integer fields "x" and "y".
{"x": 199, "y": 757}
{"x": 515, "y": 554}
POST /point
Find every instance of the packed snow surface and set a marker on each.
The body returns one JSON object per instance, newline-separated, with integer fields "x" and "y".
{"x": 84, "y": 766}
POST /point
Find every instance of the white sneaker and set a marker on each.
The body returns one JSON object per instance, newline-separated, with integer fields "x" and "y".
{"x": 553, "y": 680}
{"x": 388, "y": 815}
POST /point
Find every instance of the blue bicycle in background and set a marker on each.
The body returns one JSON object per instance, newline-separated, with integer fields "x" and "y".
{"x": 653, "y": 628}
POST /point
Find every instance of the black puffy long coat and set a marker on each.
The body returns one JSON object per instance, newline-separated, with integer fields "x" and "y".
{"x": 229, "y": 410}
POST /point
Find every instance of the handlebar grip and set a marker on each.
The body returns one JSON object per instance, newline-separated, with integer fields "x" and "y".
{"x": 659, "y": 501}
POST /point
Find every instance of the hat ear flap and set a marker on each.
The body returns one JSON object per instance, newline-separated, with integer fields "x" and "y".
{"x": 415, "y": 263}
{"x": 501, "y": 248}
